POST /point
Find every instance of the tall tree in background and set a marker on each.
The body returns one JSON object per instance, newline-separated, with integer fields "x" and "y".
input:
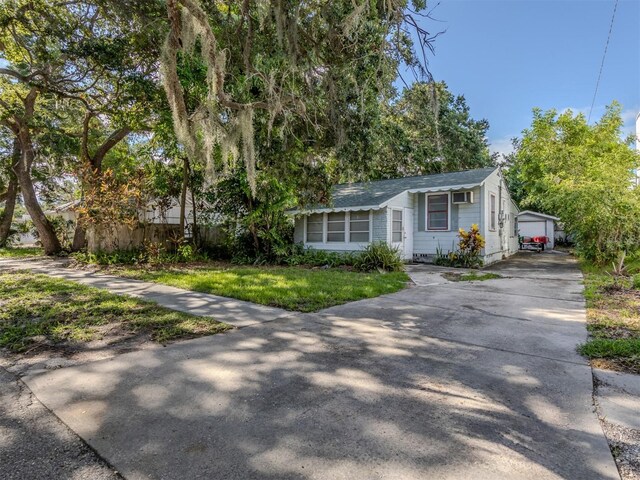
{"x": 317, "y": 69}
{"x": 91, "y": 62}
{"x": 280, "y": 86}
{"x": 429, "y": 130}
{"x": 583, "y": 174}
{"x": 9, "y": 157}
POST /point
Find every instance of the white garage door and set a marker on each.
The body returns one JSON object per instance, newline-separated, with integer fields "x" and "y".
{"x": 532, "y": 229}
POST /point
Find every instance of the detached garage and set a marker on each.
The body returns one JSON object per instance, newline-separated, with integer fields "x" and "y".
{"x": 534, "y": 224}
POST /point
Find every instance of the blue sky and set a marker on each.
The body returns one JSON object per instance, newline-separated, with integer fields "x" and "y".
{"x": 508, "y": 56}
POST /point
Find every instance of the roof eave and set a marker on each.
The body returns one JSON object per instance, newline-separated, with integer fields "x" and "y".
{"x": 307, "y": 211}
{"x": 538, "y": 214}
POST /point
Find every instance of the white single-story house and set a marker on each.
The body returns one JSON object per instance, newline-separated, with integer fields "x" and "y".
{"x": 534, "y": 224}
{"x": 418, "y": 215}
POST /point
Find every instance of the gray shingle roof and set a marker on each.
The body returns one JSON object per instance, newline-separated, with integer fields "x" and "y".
{"x": 369, "y": 194}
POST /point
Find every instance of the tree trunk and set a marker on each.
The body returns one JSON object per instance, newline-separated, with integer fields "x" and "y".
{"x": 183, "y": 196}
{"x": 11, "y": 196}
{"x": 7, "y": 215}
{"x": 196, "y": 234}
{"x": 79, "y": 237}
{"x": 9, "y": 206}
{"x": 47, "y": 234}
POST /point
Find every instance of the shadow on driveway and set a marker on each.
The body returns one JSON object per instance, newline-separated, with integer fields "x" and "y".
{"x": 412, "y": 385}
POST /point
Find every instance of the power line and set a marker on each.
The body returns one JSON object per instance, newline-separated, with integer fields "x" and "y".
{"x": 593, "y": 101}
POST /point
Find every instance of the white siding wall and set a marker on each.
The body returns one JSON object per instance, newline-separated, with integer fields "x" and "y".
{"x": 427, "y": 242}
{"x": 403, "y": 200}
{"x": 501, "y": 242}
{"x": 514, "y": 244}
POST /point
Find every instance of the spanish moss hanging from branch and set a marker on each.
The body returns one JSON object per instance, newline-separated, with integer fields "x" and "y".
{"x": 312, "y": 73}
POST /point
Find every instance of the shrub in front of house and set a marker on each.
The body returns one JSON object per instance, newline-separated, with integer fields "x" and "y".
{"x": 379, "y": 256}
{"x": 376, "y": 256}
{"x": 470, "y": 244}
{"x": 149, "y": 253}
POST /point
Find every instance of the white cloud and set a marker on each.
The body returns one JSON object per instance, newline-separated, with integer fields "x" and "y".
{"x": 629, "y": 119}
{"x": 576, "y": 110}
{"x": 501, "y": 146}
{"x": 629, "y": 115}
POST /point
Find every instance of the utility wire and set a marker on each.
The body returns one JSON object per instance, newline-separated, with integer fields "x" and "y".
{"x": 593, "y": 101}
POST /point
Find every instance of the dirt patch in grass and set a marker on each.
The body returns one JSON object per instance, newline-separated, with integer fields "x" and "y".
{"x": 469, "y": 277}
{"x": 64, "y": 319}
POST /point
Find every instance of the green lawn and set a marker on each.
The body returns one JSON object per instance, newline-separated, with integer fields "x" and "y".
{"x": 38, "y": 309}
{"x": 16, "y": 252}
{"x": 292, "y": 288}
{"x": 613, "y": 316}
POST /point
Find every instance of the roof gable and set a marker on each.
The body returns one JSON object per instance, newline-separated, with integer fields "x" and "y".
{"x": 537, "y": 214}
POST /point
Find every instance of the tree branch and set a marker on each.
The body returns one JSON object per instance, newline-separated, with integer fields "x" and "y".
{"x": 108, "y": 144}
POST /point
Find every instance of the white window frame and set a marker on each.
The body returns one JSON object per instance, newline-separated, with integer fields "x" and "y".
{"x": 370, "y": 230}
{"x": 347, "y": 232}
{"x": 493, "y": 220}
{"x": 426, "y": 212}
{"x": 306, "y": 219}
{"x": 344, "y": 231}
{"x": 401, "y": 223}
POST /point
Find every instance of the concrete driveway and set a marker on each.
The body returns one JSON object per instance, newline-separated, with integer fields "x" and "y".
{"x": 449, "y": 381}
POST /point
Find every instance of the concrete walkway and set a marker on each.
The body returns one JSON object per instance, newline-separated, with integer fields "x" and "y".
{"x": 479, "y": 380}
{"x": 617, "y": 398}
{"x": 234, "y": 312}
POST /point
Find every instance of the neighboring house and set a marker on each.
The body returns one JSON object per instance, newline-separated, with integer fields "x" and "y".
{"x": 166, "y": 214}
{"x": 159, "y": 222}
{"x": 418, "y": 215}
{"x": 534, "y": 224}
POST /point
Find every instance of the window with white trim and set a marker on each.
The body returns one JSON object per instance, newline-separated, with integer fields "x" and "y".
{"x": 335, "y": 227}
{"x": 492, "y": 211}
{"x": 396, "y": 226}
{"x": 438, "y": 212}
{"x": 359, "y": 227}
{"x": 315, "y": 227}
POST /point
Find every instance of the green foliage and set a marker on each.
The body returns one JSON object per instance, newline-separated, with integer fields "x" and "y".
{"x": 613, "y": 314}
{"x": 625, "y": 349}
{"x": 297, "y": 255}
{"x": 378, "y": 256}
{"x": 62, "y": 228}
{"x": 150, "y": 253}
{"x": 256, "y": 226}
{"x": 583, "y": 174}
{"x": 428, "y": 130}
{"x": 470, "y": 244}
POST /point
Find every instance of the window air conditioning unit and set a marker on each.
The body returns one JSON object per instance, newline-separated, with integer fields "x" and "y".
{"x": 462, "y": 197}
